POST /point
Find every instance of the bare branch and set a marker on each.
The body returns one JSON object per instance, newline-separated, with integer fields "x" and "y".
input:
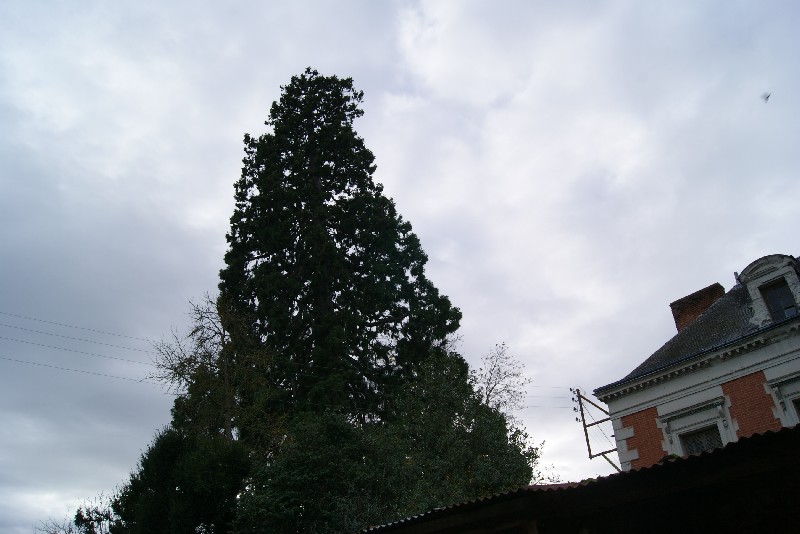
{"x": 500, "y": 381}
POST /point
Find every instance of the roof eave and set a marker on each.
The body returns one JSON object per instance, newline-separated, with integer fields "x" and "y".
{"x": 680, "y": 366}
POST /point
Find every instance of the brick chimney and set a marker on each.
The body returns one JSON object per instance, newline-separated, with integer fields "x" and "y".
{"x": 689, "y": 308}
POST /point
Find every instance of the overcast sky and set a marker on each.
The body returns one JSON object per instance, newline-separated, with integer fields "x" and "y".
{"x": 571, "y": 168}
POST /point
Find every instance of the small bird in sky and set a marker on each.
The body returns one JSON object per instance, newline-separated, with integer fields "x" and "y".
{"x": 766, "y": 96}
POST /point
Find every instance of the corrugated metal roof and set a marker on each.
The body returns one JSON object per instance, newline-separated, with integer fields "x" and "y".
{"x": 497, "y": 497}
{"x": 745, "y": 449}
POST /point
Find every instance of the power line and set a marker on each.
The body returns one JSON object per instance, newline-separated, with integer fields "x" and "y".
{"x": 143, "y": 381}
{"x": 152, "y": 365}
{"x": 73, "y": 326}
{"x": 74, "y": 338}
{"x": 176, "y": 394}
{"x": 76, "y": 351}
{"x": 380, "y": 386}
{"x": 104, "y": 375}
{"x": 603, "y": 434}
{"x": 150, "y": 353}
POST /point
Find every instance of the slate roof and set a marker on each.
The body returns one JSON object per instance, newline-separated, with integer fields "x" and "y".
{"x": 725, "y": 321}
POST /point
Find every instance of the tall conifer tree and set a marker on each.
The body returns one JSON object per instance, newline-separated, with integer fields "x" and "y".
{"x": 324, "y": 308}
{"x": 320, "y": 257}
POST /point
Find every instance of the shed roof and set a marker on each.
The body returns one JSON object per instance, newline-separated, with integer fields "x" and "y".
{"x": 723, "y": 480}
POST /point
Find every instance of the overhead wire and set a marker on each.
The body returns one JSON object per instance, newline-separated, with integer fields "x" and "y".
{"x": 74, "y": 338}
{"x": 299, "y": 364}
{"x": 147, "y": 382}
{"x": 104, "y": 375}
{"x": 74, "y": 326}
{"x": 175, "y": 394}
{"x": 76, "y": 351}
{"x": 93, "y": 354}
{"x": 386, "y": 386}
{"x": 151, "y": 342}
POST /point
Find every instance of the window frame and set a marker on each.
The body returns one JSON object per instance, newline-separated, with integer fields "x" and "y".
{"x": 683, "y": 436}
{"x": 693, "y": 417}
{"x": 775, "y": 294}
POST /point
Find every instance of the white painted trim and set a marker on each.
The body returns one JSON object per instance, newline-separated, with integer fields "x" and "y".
{"x": 787, "y": 360}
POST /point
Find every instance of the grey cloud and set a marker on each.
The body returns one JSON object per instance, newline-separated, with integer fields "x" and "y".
{"x": 570, "y": 170}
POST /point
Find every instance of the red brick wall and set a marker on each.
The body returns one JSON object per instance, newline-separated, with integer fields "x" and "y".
{"x": 646, "y": 439}
{"x": 750, "y": 405}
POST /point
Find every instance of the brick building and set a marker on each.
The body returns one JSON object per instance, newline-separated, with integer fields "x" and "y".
{"x": 731, "y": 371}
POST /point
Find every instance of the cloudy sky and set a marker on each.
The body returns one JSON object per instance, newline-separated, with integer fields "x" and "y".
{"x": 570, "y": 167}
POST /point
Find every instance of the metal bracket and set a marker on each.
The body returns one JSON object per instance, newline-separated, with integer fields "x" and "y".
{"x": 579, "y": 398}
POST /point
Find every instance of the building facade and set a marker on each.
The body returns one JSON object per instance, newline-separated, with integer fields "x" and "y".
{"x": 731, "y": 371}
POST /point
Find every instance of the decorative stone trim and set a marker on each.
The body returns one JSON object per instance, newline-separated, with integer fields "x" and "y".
{"x": 716, "y": 402}
{"x": 777, "y": 387}
{"x": 714, "y": 407}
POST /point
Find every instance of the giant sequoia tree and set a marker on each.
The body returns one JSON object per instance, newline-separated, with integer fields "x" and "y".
{"x": 320, "y": 257}
{"x": 319, "y": 393}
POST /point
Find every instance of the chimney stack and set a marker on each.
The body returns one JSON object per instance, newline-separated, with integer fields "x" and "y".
{"x": 690, "y": 307}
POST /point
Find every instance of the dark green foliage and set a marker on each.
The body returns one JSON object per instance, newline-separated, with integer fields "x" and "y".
{"x": 456, "y": 447}
{"x": 222, "y": 372}
{"x": 328, "y": 477}
{"x": 94, "y": 516}
{"x": 332, "y": 274}
{"x": 184, "y": 482}
{"x": 334, "y": 475}
{"x": 192, "y": 472}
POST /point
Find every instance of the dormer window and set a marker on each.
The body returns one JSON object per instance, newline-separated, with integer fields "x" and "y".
{"x": 779, "y": 299}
